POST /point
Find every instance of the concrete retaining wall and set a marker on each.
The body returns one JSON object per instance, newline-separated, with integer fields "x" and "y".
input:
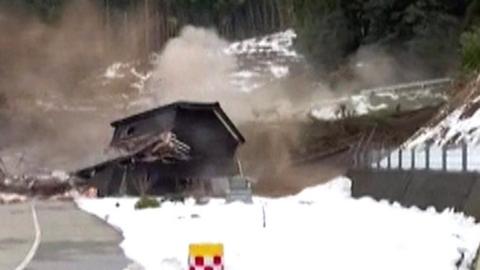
{"x": 458, "y": 190}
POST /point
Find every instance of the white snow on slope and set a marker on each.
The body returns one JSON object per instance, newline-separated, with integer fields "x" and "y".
{"x": 356, "y": 105}
{"x": 264, "y": 59}
{"x": 279, "y": 43}
{"x": 267, "y": 57}
{"x": 462, "y": 124}
{"x": 453, "y": 129}
{"x": 374, "y": 100}
{"x": 259, "y": 61}
{"x": 320, "y": 228}
{"x": 114, "y": 70}
{"x": 119, "y": 70}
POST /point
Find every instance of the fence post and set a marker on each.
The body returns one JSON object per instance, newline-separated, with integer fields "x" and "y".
{"x": 444, "y": 158}
{"x": 379, "y": 157}
{"x": 412, "y": 153}
{"x": 354, "y": 160}
{"x": 361, "y": 159}
{"x": 427, "y": 157}
{"x": 464, "y": 156}
{"x": 367, "y": 157}
{"x": 389, "y": 159}
{"x": 400, "y": 155}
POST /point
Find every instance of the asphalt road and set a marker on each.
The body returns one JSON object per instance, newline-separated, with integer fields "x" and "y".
{"x": 70, "y": 239}
{"x": 16, "y": 234}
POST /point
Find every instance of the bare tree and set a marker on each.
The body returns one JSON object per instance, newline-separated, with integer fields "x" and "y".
{"x": 3, "y": 170}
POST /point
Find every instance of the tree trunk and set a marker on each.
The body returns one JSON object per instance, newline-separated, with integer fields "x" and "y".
{"x": 147, "y": 27}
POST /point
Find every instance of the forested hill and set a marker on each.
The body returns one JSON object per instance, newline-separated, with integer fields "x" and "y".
{"x": 329, "y": 31}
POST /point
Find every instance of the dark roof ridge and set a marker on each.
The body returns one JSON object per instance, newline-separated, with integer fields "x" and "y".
{"x": 160, "y": 108}
{"x": 187, "y": 105}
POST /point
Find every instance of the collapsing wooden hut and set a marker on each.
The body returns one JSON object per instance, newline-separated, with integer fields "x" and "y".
{"x": 181, "y": 147}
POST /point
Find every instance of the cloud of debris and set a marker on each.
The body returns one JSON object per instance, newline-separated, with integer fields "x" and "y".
{"x": 53, "y": 112}
{"x": 194, "y": 67}
{"x": 379, "y": 65}
{"x": 50, "y": 102}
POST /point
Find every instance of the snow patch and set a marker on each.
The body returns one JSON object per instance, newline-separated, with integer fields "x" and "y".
{"x": 279, "y": 71}
{"x": 60, "y": 175}
{"x": 457, "y": 126}
{"x": 320, "y": 228}
{"x": 114, "y": 71}
{"x": 10, "y": 198}
{"x": 378, "y": 99}
{"x": 453, "y": 129}
{"x": 280, "y": 43}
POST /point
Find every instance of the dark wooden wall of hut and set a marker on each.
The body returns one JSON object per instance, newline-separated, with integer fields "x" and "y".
{"x": 159, "y": 122}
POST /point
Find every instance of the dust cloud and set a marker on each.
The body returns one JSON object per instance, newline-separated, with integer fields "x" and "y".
{"x": 195, "y": 67}
{"x": 51, "y": 105}
{"x": 55, "y": 113}
{"x": 378, "y": 65}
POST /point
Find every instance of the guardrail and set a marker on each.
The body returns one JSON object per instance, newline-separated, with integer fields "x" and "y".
{"x": 434, "y": 83}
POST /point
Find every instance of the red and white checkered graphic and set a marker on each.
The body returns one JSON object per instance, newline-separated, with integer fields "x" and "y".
{"x": 206, "y": 263}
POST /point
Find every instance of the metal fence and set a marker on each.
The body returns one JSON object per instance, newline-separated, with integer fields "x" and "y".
{"x": 427, "y": 157}
{"x": 432, "y": 84}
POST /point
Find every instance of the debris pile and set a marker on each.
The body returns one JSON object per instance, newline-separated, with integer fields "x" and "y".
{"x": 9, "y": 198}
{"x": 164, "y": 147}
{"x": 15, "y": 189}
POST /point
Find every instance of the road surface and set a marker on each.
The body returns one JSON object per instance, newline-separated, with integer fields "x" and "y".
{"x": 70, "y": 239}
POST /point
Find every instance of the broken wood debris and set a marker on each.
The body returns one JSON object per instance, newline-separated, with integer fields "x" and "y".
{"x": 35, "y": 185}
{"x": 164, "y": 147}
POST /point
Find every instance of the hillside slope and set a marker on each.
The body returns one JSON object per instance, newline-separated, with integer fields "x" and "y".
{"x": 457, "y": 122}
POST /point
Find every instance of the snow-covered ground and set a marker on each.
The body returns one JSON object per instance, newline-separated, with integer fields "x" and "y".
{"x": 454, "y": 128}
{"x": 320, "y": 228}
{"x": 280, "y": 44}
{"x": 263, "y": 60}
{"x": 460, "y": 125}
{"x": 259, "y": 61}
{"x": 369, "y": 101}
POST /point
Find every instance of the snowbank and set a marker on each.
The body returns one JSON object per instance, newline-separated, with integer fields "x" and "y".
{"x": 320, "y": 228}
